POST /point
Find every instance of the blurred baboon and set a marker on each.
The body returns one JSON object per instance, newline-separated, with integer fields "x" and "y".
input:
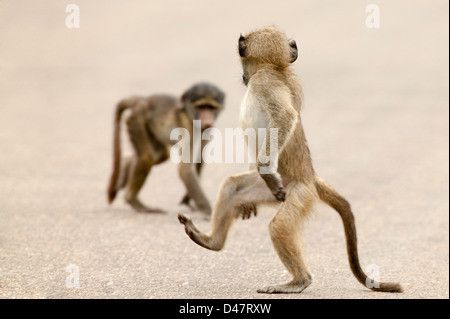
{"x": 273, "y": 100}
{"x": 150, "y": 123}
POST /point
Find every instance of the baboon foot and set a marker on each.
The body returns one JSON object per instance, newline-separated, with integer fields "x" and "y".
{"x": 204, "y": 209}
{"x": 206, "y": 212}
{"x": 289, "y": 288}
{"x": 186, "y": 201}
{"x": 197, "y": 236}
{"x": 189, "y": 227}
{"x": 152, "y": 210}
{"x": 141, "y": 208}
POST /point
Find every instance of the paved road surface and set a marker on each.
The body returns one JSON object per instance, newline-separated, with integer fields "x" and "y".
{"x": 376, "y": 118}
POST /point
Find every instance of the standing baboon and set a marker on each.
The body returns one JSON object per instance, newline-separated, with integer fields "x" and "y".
{"x": 273, "y": 100}
{"x": 150, "y": 123}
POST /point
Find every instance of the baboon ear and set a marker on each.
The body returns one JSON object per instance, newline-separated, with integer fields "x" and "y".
{"x": 186, "y": 97}
{"x": 242, "y": 46}
{"x": 294, "y": 50}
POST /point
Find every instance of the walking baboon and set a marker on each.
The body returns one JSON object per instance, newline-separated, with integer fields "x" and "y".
{"x": 149, "y": 126}
{"x": 273, "y": 100}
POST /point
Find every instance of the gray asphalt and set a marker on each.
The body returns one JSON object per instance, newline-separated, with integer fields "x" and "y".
{"x": 375, "y": 115}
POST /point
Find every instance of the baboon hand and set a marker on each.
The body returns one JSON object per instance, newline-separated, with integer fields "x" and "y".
{"x": 280, "y": 195}
{"x": 246, "y": 211}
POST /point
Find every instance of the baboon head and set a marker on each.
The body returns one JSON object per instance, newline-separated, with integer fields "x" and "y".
{"x": 203, "y": 101}
{"x": 268, "y": 46}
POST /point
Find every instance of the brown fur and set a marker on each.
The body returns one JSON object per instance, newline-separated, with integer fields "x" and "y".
{"x": 273, "y": 90}
{"x": 149, "y": 126}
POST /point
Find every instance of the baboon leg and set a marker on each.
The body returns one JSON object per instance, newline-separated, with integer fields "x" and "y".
{"x": 285, "y": 233}
{"x": 141, "y": 164}
{"x": 242, "y": 190}
{"x": 138, "y": 174}
{"x": 124, "y": 174}
{"x": 186, "y": 198}
{"x": 190, "y": 179}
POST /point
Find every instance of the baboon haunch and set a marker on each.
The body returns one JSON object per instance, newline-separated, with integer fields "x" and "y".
{"x": 149, "y": 126}
{"x": 273, "y": 100}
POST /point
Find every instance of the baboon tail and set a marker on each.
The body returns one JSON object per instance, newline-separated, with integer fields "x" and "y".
{"x": 328, "y": 195}
{"x": 112, "y": 188}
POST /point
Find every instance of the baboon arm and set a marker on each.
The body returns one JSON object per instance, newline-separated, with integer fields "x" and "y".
{"x": 189, "y": 176}
{"x": 283, "y": 117}
{"x": 186, "y": 199}
{"x": 277, "y": 139}
{"x": 281, "y": 114}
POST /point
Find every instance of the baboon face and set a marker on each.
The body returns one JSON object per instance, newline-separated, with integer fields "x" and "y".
{"x": 204, "y": 102}
{"x": 267, "y": 45}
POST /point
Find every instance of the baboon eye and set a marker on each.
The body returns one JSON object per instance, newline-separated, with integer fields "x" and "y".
{"x": 206, "y": 107}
